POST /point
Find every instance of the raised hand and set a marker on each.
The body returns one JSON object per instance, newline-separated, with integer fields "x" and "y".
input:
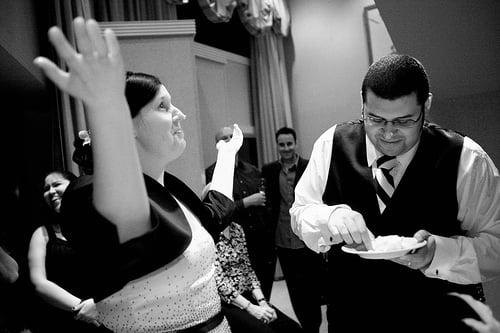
{"x": 95, "y": 73}
{"x": 234, "y": 144}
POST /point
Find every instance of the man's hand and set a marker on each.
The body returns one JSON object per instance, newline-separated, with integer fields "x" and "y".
{"x": 421, "y": 258}
{"x": 256, "y": 199}
{"x": 349, "y": 226}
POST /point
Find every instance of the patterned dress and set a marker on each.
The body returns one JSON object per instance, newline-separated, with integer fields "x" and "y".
{"x": 234, "y": 272}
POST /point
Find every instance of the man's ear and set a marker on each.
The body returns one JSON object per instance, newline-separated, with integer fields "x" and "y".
{"x": 428, "y": 104}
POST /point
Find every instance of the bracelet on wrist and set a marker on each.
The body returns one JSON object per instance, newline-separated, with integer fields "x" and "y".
{"x": 262, "y": 299}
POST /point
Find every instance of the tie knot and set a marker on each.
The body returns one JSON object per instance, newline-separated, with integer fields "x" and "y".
{"x": 386, "y": 162}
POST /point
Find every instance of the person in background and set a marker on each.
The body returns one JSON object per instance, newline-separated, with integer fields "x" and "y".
{"x": 301, "y": 267}
{"x": 394, "y": 173}
{"x": 55, "y": 271}
{"x": 250, "y": 213}
{"x": 142, "y": 233}
{"x": 244, "y": 303}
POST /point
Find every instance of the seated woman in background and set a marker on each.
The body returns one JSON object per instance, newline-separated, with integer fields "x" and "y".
{"x": 142, "y": 232}
{"x": 55, "y": 271}
{"x": 238, "y": 284}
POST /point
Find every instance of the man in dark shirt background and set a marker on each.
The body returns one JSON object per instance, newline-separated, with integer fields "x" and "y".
{"x": 301, "y": 266}
{"x": 250, "y": 213}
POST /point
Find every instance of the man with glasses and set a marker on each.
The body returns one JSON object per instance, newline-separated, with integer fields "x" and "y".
{"x": 394, "y": 173}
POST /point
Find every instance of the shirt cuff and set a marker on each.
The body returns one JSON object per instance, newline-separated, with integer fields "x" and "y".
{"x": 452, "y": 263}
{"x": 314, "y": 229}
{"x": 239, "y": 204}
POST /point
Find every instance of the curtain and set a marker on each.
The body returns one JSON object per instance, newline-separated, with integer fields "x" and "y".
{"x": 70, "y": 113}
{"x": 268, "y": 21}
{"x": 270, "y": 93}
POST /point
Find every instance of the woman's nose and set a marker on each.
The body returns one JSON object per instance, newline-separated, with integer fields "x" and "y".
{"x": 178, "y": 115}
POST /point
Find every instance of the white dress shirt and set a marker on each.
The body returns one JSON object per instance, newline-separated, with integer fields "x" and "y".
{"x": 468, "y": 259}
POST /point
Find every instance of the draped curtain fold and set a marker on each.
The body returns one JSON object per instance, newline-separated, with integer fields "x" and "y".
{"x": 268, "y": 21}
{"x": 270, "y": 93}
{"x": 70, "y": 112}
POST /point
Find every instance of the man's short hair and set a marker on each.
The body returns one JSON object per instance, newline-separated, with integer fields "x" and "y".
{"x": 286, "y": 130}
{"x": 395, "y": 76}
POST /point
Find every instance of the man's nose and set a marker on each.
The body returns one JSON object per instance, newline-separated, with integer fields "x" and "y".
{"x": 389, "y": 129}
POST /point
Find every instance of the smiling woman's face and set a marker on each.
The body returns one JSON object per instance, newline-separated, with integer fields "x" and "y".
{"x": 158, "y": 127}
{"x": 53, "y": 190}
{"x": 388, "y": 139}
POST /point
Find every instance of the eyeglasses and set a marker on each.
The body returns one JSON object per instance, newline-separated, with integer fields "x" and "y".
{"x": 398, "y": 123}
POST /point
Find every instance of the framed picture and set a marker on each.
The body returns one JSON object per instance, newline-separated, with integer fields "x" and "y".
{"x": 379, "y": 42}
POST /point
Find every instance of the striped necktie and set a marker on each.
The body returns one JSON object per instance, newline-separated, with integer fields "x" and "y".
{"x": 384, "y": 179}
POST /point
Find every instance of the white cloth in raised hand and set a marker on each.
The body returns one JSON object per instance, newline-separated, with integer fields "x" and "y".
{"x": 222, "y": 179}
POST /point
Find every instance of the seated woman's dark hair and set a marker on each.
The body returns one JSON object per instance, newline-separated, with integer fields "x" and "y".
{"x": 65, "y": 174}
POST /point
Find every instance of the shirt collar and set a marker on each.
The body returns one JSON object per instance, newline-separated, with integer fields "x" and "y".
{"x": 372, "y": 154}
{"x": 295, "y": 162}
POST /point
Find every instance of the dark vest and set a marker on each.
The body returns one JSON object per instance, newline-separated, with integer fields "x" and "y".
{"x": 424, "y": 199}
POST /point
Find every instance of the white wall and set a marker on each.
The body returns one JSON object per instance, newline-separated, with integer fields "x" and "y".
{"x": 223, "y": 93}
{"x": 327, "y": 58}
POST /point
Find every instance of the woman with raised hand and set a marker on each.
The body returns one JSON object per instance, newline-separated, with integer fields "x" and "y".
{"x": 141, "y": 232}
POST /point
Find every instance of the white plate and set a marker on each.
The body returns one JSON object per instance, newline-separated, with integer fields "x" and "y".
{"x": 382, "y": 254}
